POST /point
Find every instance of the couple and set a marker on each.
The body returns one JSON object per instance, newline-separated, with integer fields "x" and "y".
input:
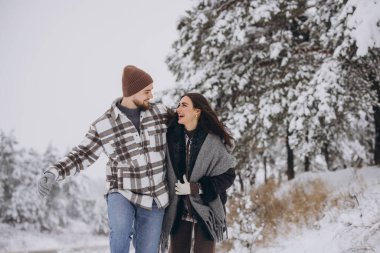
{"x": 167, "y": 172}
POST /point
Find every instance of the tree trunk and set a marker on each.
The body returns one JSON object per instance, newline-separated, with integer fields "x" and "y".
{"x": 307, "y": 164}
{"x": 377, "y": 135}
{"x": 290, "y": 171}
{"x": 307, "y": 160}
{"x": 376, "y": 110}
{"x": 240, "y": 181}
{"x": 265, "y": 169}
{"x": 325, "y": 152}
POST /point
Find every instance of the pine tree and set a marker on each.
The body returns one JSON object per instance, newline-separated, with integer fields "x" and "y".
{"x": 70, "y": 202}
{"x": 278, "y": 73}
{"x": 8, "y": 162}
{"x": 244, "y": 56}
{"x": 297, "y": 82}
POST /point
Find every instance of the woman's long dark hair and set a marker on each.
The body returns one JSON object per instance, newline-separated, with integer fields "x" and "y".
{"x": 208, "y": 120}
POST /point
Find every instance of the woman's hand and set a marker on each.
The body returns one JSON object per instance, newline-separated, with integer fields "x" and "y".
{"x": 182, "y": 189}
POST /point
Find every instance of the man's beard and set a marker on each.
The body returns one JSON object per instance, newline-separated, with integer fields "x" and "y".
{"x": 143, "y": 106}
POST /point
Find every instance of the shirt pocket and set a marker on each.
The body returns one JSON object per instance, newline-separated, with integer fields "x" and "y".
{"x": 120, "y": 148}
{"x": 158, "y": 129}
{"x": 157, "y": 137}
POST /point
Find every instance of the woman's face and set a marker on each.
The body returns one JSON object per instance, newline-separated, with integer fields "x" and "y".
{"x": 187, "y": 114}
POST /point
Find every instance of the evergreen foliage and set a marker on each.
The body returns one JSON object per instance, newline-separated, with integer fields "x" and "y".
{"x": 70, "y": 203}
{"x": 296, "y": 81}
{"x": 293, "y": 80}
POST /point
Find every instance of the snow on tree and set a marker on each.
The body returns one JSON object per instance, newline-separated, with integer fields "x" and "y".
{"x": 8, "y": 162}
{"x": 258, "y": 62}
{"x": 297, "y": 82}
{"x": 70, "y": 202}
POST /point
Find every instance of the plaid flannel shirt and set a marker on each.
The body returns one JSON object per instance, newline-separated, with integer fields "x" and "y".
{"x": 136, "y": 166}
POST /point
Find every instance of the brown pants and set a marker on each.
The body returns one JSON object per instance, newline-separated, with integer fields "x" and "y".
{"x": 181, "y": 241}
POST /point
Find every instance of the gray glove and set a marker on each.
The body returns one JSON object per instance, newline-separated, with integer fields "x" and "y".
{"x": 45, "y": 183}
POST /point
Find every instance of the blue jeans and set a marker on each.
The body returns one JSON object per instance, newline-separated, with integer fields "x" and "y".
{"x": 126, "y": 219}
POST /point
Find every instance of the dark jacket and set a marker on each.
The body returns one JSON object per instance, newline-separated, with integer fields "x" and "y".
{"x": 211, "y": 186}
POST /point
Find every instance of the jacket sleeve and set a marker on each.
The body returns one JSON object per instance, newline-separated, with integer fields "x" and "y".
{"x": 212, "y": 186}
{"x": 82, "y": 156}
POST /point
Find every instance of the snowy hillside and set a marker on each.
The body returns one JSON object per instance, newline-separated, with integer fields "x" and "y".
{"x": 350, "y": 222}
{"x": 16, "y": 240}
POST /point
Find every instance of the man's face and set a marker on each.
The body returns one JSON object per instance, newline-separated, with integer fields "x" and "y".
{"x": 141, "y": 98}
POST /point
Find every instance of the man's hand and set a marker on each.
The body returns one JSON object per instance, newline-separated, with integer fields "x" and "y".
{"x": 45, "y": 184}
{"x": 183, "y": 189}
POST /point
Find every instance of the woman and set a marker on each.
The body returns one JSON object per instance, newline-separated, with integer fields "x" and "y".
{"x": 199, "y": 170}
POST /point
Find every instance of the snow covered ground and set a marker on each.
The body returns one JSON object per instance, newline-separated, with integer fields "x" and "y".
{"x": 13, "y": 240}
{"x": 353, "y": 225}
{"x": 353, "y": 228}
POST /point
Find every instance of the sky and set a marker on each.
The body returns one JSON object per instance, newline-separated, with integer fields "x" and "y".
{"x": 61, "y": 62}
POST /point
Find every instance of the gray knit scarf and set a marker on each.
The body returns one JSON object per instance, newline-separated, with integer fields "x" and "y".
{"x": 213, "y": 159}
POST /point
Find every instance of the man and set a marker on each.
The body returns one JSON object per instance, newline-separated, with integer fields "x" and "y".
{"x": 132, "y": 133}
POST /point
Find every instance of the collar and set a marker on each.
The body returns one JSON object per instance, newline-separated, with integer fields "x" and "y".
{"x": 191, "y": 133}
{"x": 115, "y": 111}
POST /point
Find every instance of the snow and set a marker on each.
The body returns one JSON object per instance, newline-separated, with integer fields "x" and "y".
{"x": 362, "y": 21}
{"x": 263, "y": 11}
{"x": 319, "y": 92}
{"x": 275, "y": 50}
{"x": 13, "y": 239}
{"x": 354, "y": 228}
{"x": 364, "y": 24}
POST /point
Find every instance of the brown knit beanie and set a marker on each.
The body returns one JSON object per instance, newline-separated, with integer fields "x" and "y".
{"x": 134, "y": 80}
